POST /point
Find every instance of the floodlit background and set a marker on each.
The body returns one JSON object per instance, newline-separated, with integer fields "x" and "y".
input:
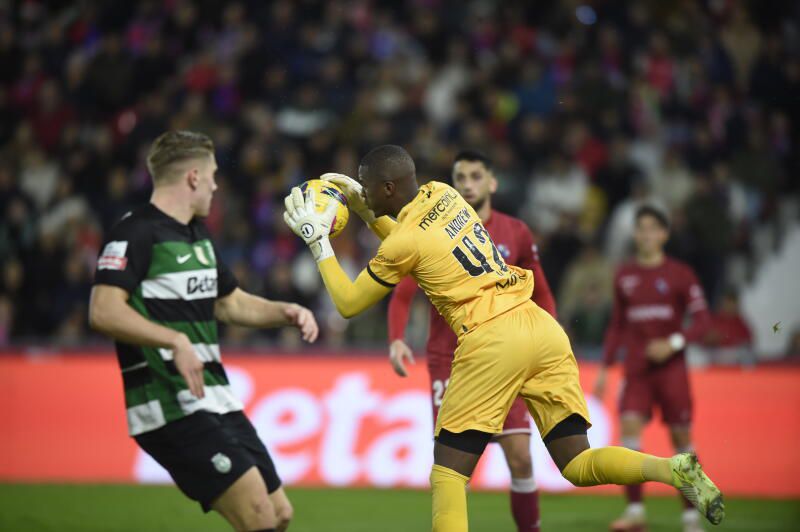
{"x": 588, "y": 109}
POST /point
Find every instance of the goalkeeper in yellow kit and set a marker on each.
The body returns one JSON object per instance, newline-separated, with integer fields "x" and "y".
{"x": 507, "y": 346}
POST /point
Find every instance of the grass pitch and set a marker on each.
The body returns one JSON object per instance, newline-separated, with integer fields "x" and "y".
{"x": 122, "y": 508}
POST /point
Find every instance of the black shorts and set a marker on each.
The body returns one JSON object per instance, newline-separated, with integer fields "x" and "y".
{"x": 205, "y": 453}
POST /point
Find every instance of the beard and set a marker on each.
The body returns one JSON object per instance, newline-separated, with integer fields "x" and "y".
{"x": 478, "y": 204}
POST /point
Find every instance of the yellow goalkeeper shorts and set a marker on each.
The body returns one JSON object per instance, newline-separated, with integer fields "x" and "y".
{"x": 521, "y": 352}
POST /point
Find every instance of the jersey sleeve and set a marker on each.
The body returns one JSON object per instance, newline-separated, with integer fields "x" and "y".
{"x": 612, "y": 341}
{"x": 529, "y": 259}
{"x": 696, "y": 306}
{"x": 395, "y": 259}
{"x": 400, "y": 308}
{"x": 125, "y": 256}
{"x": 226, "y": 281}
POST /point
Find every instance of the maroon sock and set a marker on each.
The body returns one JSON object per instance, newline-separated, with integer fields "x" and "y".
{"x": 634, "y": 493}
{"x": 525, "y": 509}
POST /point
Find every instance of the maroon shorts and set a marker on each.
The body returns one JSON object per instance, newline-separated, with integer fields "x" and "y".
{"x": 666, "y": 386}
{"x": 517, "y": 420}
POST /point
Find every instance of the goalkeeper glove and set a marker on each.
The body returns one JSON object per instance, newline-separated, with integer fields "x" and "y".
{"x": 354, "y": 192}
{"x": 313, "y": 227}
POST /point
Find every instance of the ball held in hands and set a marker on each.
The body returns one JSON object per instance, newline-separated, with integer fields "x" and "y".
{"x": 325, "y": 194}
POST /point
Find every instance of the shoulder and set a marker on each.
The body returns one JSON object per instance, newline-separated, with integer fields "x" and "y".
{"x": 507, "y": 223}
{"x": 137, "y": 222}
{"x": 519, "y": 227}
{"x": 401, "y": 239}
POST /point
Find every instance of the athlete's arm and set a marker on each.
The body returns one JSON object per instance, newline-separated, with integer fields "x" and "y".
{"x": 351, "y": 297}
{"x": 399, "y": 310}
{"x": 697, "y": 307}
{"x": 661, "y": 349}
{"x": 110, "y": 314}
{"x": 529, "y": 259}
{"x": 248, "y": 310}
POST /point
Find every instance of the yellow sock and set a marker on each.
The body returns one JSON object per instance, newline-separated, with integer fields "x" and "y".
{"x": 449, "y": 500}
{"x": 616, "y": 465}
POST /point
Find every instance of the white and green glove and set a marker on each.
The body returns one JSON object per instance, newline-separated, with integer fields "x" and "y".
{"x": 354, "y": 193}
{"x": 313, "y": 227}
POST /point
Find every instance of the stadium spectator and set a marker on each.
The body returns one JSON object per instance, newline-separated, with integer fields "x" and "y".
{"x": 729, "y": 339}
{"x": 586, "y": 295}
{"x": 646, "y": 92}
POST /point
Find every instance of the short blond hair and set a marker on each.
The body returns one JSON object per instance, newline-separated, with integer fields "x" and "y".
{"x": 173, "y": 147}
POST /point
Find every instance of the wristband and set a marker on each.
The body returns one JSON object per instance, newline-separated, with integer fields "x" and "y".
{"x": 677, "y": 341}
{"x": 321, "y": 249}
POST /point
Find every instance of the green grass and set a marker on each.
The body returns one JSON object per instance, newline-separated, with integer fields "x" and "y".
{"x": 116, "y": 508}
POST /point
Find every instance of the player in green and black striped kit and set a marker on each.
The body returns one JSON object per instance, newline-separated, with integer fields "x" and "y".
{"x": 159, "y": 290}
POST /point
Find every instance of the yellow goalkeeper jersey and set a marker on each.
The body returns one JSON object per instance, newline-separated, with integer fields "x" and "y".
{"x": 440, "y": 241}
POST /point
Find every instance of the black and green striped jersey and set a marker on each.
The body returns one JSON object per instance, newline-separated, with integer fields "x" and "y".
{"x": 174, "y": 277}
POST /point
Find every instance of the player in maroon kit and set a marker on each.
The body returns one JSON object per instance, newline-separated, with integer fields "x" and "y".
{"x": 652, "y": 296}
{"x": 473, "y": 178}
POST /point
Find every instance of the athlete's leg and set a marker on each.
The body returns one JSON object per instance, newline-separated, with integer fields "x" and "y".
{"x": 583, "y": 466}
{"x": 524, "y": 495}
{"x": 455, "y": 456}
{"x": 569, "y": 448}
{"x": 489, "y": 366}
{"x": 681, "y": 438}
{"x": 283, "y": 509}
{"x": 517, "y": 450}
{"x": 246, "y": 505}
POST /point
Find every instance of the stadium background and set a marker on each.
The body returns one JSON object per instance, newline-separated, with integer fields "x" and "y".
{"x": 587, "y": 108}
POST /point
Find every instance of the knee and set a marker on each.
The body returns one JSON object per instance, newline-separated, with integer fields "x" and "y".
{"x": 255, "y": 513}
{"x": 573, "y": 471}
{"x": 284, "y": 514}
{"x": 575, "y": 477}
{"x": 520, "y": 465}
{"x": 259, "y": 510}
{"x": 575, "y": 480}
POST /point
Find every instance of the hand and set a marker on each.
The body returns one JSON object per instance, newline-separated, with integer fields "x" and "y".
{"x": 189, "y": 365}
{"x": 354, "y": 192}
{"x": 600, "y": 383}
{"x": 313, "y": 227}
{"x": 303, "y": 319}
{"x": 658, "y": 350}
{"x": 399, "y": 350}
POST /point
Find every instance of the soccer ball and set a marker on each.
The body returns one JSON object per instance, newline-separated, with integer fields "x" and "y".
{"x": 324, "y": 193}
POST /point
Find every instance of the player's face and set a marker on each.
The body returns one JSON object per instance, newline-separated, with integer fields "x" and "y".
{"x": 474, "y": 182}
{"x": 205, "y": 187}
{"x": 650, "y": 235}
{"x": 372, "y": 192}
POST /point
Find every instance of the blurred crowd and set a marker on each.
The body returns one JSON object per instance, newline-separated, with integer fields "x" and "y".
{"x": 587, "y": 109}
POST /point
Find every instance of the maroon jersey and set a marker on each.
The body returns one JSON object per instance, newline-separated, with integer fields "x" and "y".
{"x": 651, "y": 303}
{"x": 515, "y": 242}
